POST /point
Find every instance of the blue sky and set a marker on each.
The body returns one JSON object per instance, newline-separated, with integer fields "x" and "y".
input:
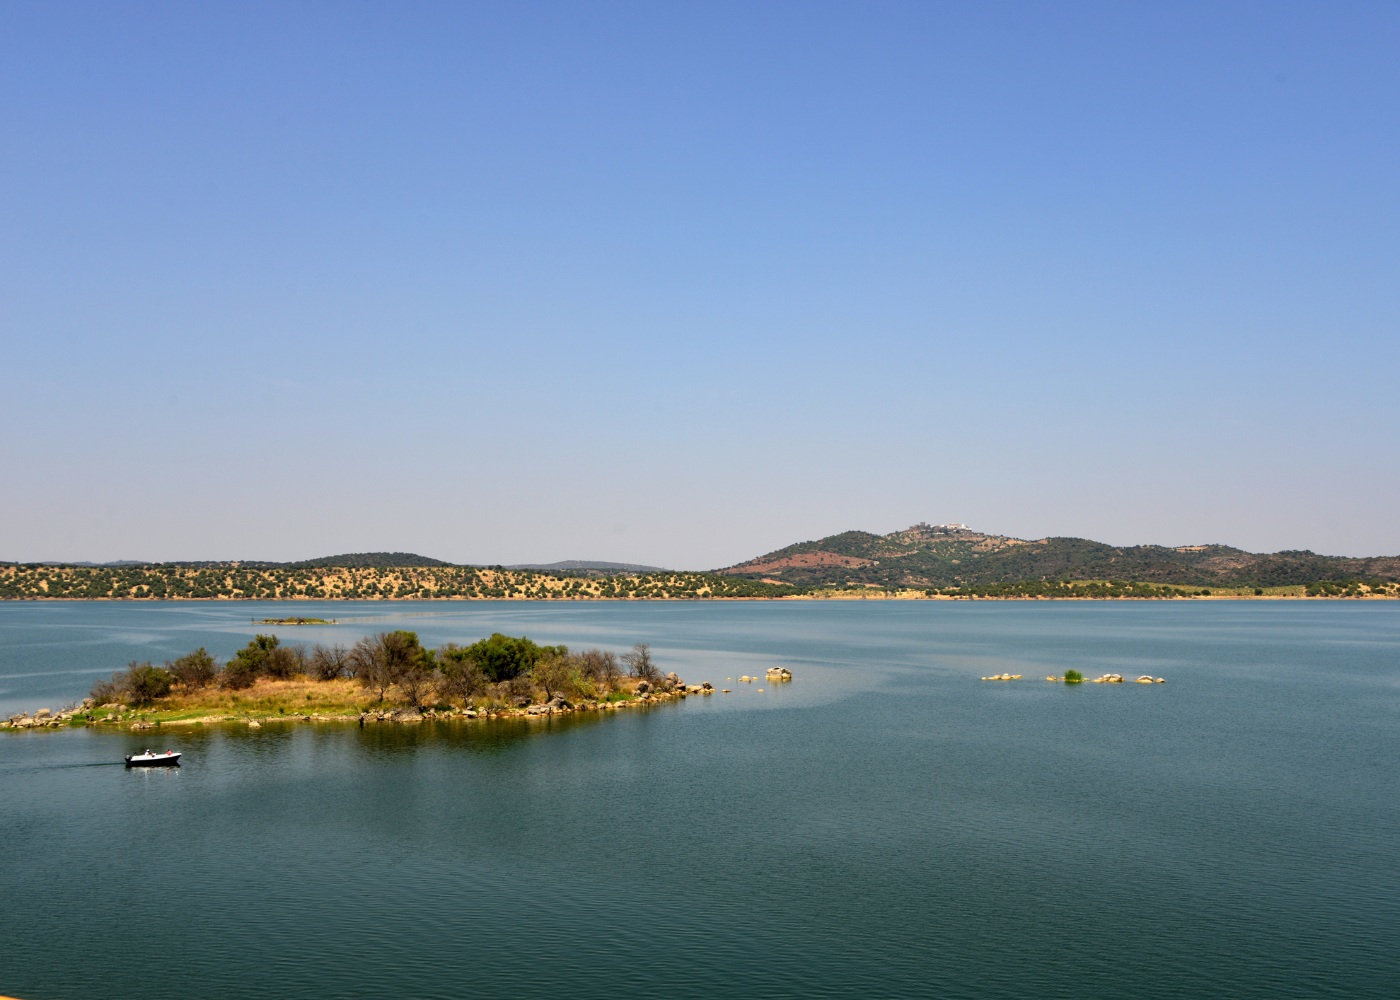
{"x": 682, "y": 283}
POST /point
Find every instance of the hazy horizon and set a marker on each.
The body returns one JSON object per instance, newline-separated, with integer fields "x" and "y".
{"x": 682, "y": 284}
{"x": 566, "y": 560}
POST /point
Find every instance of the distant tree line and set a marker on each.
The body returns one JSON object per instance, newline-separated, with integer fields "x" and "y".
{"x": 497, "y": 671}
{"x": 246, "y": 581}
{"x": 1069, "y": 589}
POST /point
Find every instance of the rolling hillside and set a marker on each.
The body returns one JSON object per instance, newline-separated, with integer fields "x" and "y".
{"x": 944, "y": 556}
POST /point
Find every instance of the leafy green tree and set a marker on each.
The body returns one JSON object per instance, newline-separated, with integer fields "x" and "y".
{"x": 250, "y": 661}
{"x": 194, "y": 670}
{"x": 504, "y": 657}
{"x": 553, "y": 673}
{"x": 144, "y": 684}
{"x": 460, "y": 676}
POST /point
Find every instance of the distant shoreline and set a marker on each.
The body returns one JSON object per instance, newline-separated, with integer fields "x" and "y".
{"x": 819, "y": 596}
{"x": 231, "y": 582}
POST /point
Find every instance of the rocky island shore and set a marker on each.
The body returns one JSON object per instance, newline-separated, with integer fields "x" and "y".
{"x": 389, "y": 678}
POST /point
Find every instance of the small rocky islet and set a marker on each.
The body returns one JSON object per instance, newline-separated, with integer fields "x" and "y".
{"x": 1072, "y": 678}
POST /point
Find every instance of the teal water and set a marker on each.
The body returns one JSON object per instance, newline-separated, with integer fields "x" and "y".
{"x": 887, "y": 825}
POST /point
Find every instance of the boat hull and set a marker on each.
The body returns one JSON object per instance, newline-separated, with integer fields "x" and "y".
{"x": 159, "y": 760}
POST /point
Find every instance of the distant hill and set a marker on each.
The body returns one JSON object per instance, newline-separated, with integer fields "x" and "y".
{"x": 356, "y": 560}
{"x": 941, "y": 560}
{"x": 953, "y": 555}
{"x": 114, "y": 562}
{"x": 582, "y": 566}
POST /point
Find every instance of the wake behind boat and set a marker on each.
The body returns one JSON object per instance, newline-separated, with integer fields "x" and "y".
{"x": 148, "y": 758}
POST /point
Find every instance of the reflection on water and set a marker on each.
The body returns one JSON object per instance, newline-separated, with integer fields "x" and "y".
{"x": 887, "y": 825}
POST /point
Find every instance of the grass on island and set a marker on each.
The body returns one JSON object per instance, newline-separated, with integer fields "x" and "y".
{"x": 267, "y": 680}
{"x": 268, "y": 696}
{"x": 291, "y": 698}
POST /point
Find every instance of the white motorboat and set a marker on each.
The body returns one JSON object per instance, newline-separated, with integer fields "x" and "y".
{"x": 149, "y": 758}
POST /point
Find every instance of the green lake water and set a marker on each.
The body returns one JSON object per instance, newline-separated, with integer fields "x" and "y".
{"x": 886, "y": 825}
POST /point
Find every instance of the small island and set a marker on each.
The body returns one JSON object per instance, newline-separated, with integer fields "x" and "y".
{"x": 386, "y": 678}
{"x": 297, "y": 621}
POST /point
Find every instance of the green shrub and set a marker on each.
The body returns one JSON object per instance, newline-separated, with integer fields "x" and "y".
{"x": 1073, "y": 677}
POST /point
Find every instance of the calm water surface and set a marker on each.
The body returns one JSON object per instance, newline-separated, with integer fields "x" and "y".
{"x": 886, "y": 825}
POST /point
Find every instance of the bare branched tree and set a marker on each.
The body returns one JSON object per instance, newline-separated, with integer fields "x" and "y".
{"x": 369, "y": 666}
{"x": 640, "y": 664}
{"x": 601, "y": 667}
{"x": 326, "y": 663}
{"x": 415, "y": 679}
{"x": 285, "y": 661}
{"x": 383, "y": 660}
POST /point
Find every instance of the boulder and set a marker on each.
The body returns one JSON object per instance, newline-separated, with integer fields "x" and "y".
{"x": 559, "y": 704}
{"x": 643, "y": 687}
{"x": 409, "y": 714}
{"x": 252, "y": 724}
{"x": 43, "y": 713}
{"x": 673, "y": 681}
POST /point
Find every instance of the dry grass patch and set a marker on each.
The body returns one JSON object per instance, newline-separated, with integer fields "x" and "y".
{"x": 266, "y": 697}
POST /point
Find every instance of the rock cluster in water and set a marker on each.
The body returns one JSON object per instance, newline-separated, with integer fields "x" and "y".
{"x": 1108, "y": 679}
{"x": 44, "y": 718}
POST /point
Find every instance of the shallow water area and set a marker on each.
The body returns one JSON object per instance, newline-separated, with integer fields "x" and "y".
{"x": 885, "y": 825}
